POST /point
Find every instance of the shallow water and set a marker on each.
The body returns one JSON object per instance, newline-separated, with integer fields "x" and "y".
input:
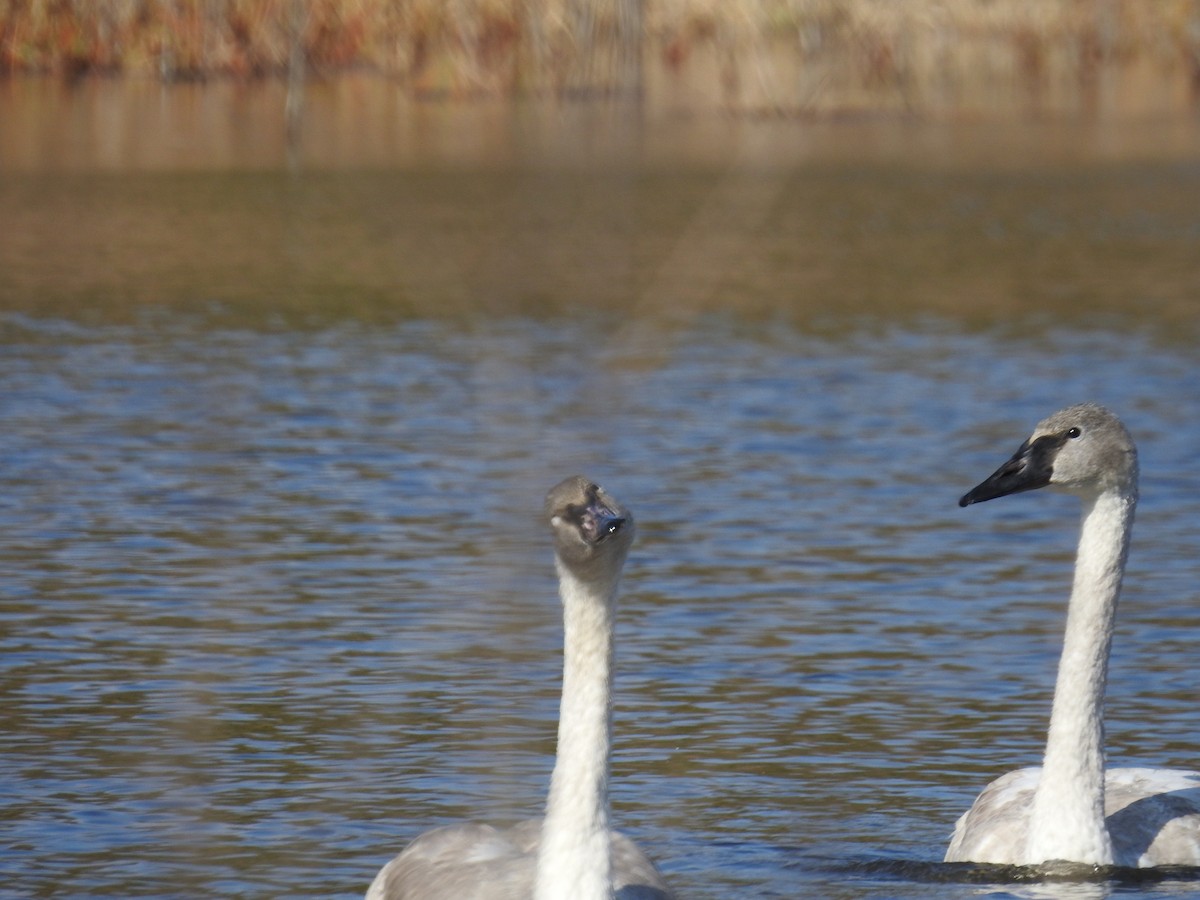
{"x": 277, "y": 598}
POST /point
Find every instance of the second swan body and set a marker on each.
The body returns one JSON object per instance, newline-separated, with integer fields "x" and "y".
{"x": 1071, "y": 809}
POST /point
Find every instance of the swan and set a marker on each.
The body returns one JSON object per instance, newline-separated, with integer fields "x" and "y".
{"x": 571, "y": 853}
{"x": 1071, "y": 809}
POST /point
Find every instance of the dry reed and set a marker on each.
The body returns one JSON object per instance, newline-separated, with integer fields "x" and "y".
{"x": 752, "y": 54}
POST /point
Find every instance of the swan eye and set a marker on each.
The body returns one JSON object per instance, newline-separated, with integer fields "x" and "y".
{"x": 1074, "y": 432}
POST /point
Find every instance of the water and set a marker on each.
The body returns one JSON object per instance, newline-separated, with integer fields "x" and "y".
{"x": 276, "y": 597}
{"x": 277, "y": 601}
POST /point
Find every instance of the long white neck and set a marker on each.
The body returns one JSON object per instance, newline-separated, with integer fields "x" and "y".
{"x": 574, "y": 857}
{"x": 1067, "y": 819}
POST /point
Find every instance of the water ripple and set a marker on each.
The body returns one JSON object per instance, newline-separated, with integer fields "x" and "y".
{"x": 275, "y": 602}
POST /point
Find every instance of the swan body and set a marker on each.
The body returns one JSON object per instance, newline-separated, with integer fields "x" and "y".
{"x": 1150, "y": 816}
{"x": 1070, "y": 809}
{"x": 572, "y": 853}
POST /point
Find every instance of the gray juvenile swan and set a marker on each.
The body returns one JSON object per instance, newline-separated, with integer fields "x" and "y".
{"x": 571, "y": 853}
{"x": 1071, "y": 809}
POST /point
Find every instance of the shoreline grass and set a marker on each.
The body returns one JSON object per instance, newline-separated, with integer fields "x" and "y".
{"x": 747, "y": 55}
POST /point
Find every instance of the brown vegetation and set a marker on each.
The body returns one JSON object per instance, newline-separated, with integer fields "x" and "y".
{"x": 772, "y": 55}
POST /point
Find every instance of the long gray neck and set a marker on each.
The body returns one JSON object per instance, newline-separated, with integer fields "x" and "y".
{"x": 574, "y": 858}
{"x": 1067, "y": 820}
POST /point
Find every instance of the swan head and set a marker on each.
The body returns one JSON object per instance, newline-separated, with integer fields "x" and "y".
{"x": 1083, "y": 449}
{"x": 592, "y": 531}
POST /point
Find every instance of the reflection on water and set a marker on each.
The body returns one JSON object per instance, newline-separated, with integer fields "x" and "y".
{"x": 355, "y": 122}
{"x": 277, "y": 599}
{"x": 116, "y": 197}
{"x": 813, "y": 245}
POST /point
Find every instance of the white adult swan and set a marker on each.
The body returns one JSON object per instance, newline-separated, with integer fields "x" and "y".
{"x": 1071, "y": 809}
{"x": 571, "y": 854}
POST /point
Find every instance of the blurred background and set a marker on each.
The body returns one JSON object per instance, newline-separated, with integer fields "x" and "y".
{"x": 304, "y": 306}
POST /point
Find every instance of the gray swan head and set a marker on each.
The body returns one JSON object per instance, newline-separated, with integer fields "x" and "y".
{"x": 1084, "y": 449}
{"x": 592, "y": 531}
